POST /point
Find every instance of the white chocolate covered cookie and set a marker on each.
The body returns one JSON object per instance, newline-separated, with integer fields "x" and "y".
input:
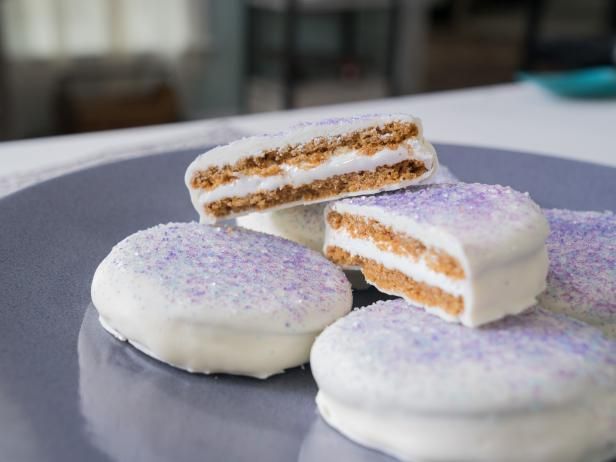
{"x": 537, "y": 387}
{"x": 469, "y": 253}
{"x": 218, "y": 299}
{"x": 310, "y": 163}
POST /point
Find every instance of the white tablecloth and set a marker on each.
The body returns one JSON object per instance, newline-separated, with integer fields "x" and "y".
{"x": 513, "y": 116}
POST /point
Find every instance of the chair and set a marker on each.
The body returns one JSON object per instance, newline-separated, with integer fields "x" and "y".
{"x": 348, "y": 60}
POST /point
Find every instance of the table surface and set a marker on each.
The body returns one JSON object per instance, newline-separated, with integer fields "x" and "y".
{"x": 516, "y": 116}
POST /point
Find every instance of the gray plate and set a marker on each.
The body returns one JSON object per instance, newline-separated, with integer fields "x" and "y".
{"x": 69, "y": 391}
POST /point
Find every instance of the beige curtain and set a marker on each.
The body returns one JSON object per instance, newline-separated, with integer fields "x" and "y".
{"x": 56, "y": 29}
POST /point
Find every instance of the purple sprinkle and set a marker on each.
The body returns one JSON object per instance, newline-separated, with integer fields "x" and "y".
{"x": 227, "y": 268}
{"x": 582, "y": 276}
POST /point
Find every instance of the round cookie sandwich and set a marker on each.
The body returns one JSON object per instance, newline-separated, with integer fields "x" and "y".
{"x": 536, "y": 387}
{"x": 310, "y": 163}
{"x": 218, "y": 299}
{"x": 582, "y": 277}
{"x": 469, "y": 253}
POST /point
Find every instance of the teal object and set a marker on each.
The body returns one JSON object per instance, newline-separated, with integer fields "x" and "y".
{"x": 597, "y": 82}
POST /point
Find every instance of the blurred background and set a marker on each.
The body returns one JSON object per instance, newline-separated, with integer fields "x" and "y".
{"x": 70, "y": 66}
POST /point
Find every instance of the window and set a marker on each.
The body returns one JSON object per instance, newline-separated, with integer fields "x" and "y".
{"x": 51, "y": 29}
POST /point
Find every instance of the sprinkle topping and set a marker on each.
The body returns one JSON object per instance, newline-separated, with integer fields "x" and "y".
{"x": 395, "y": 355}
{"x": 224, "y": 274}
{"x": 478, "y": 215}
{"x": 333, "y": 121}
{"x": 582, "y": 276}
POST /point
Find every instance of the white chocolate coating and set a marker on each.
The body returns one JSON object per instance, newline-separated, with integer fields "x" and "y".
{"x": 495, "y": 233}
{"x": 215, "y": 299}
{"x": 535, "y": 387}
{"x": 344, "y": 162}
{"x": 303, "y": 224}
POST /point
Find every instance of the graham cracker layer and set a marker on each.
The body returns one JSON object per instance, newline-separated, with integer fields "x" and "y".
{"x": 320, "y": 189}
{"x": 308, "y": 155}
{"x": 388, "y": 240}
{"x": 394, "y": 281}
